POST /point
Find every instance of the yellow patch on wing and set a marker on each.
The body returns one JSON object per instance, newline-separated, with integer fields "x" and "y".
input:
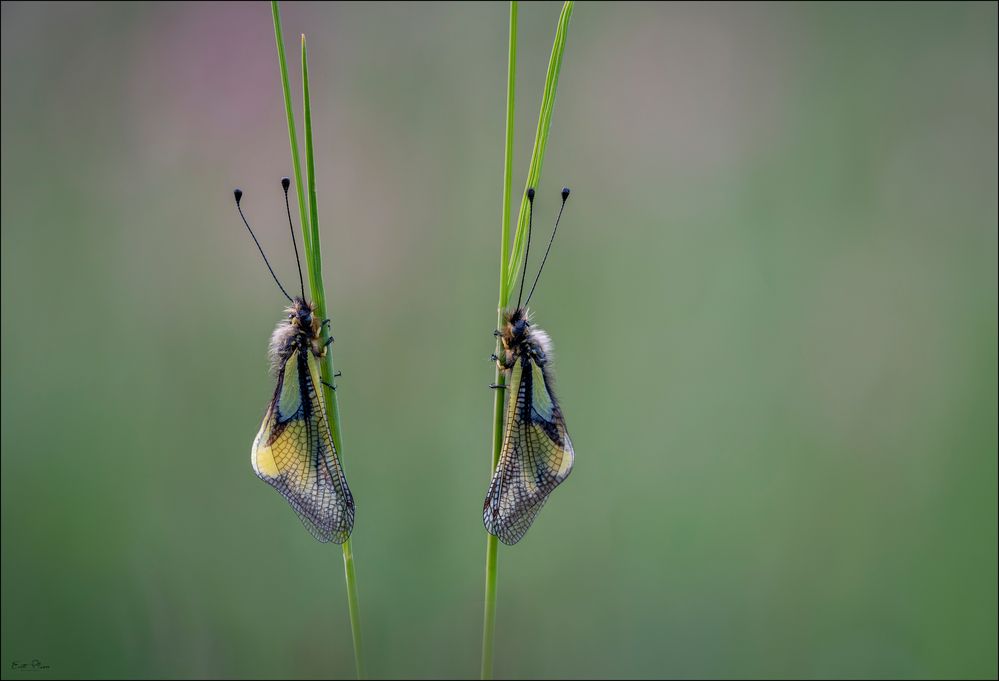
{"x": 261, "y": 456}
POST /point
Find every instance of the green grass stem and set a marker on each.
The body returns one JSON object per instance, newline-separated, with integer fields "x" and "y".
{"x": 509, "y": 266}
{"x": 313, "y": 257}
{"x": 489, "y": 615}
{"x": 540, "y": 144}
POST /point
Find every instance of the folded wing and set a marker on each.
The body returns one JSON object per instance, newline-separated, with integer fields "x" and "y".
{"x": 294, "y": 453}
{"x": 536, "y": 456}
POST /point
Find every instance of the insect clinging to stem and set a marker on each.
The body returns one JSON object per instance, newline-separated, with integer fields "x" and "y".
{"x": 294, "y": 451}
{"x": 536, "y": 456}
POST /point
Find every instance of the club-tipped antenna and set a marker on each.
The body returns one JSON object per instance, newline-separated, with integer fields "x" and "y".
{"x": 565, "y": 196}
{"x": 238, "y": 193}
{"x": 527, "y": 249}
{"x": 285, "y": 183}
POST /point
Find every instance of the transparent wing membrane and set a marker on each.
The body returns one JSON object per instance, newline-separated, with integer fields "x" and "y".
{"x": 294, "y": 453}
{"x": 536, "y": 456}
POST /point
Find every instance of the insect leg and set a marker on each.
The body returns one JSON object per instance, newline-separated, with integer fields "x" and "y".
{"x": 497, "y": 386}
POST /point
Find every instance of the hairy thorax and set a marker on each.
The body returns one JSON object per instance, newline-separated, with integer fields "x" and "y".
{"x": 519, "y": 339}
{"x": 300, "y": 330}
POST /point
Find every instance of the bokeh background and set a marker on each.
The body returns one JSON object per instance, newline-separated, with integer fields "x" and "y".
{"x": 773, "y": 300}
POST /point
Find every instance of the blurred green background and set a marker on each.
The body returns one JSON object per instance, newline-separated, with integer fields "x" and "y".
{"x": 773, "y": 301}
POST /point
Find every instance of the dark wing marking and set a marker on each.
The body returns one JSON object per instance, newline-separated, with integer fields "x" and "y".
{"x": 294, "y": 453}
{"x": 536, "y": 456}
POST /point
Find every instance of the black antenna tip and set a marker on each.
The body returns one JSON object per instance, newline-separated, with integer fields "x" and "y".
{"x": 238, "y": 193}
{"x": 565, "y": 193}
{"x": 530, "y": 194}
{"x": 285, "y": 183}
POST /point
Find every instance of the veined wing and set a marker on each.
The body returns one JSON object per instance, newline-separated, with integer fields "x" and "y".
{"x": 294, "y": 452}
{"x": 536, "y": 456}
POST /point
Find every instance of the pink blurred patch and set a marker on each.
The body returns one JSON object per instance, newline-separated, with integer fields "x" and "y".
{"x": 204, "y": 74}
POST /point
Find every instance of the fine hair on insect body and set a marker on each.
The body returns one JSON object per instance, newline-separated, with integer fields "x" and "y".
{"x": 536, "y": 454}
